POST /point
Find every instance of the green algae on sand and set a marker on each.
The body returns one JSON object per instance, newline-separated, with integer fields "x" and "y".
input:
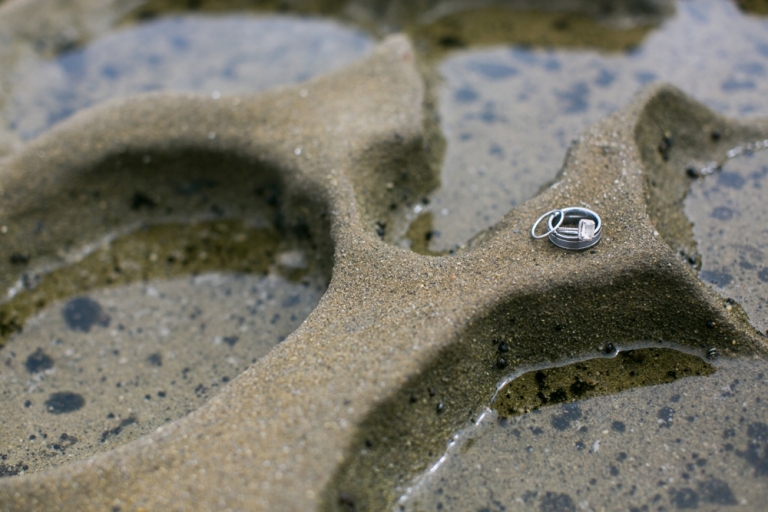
{"x": 597, "y": 377}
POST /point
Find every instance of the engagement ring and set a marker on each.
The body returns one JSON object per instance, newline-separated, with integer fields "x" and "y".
{"x": 572, "y": 228}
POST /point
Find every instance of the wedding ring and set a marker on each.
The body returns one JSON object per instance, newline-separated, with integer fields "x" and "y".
{"x": 573, "y": 228}
{"x": 551, "y": 229}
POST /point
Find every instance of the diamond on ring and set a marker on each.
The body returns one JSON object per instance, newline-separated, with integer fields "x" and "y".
{"x": 586, "y": 229}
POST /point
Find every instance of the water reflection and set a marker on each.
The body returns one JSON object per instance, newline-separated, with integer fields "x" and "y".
{"x": 211, "y": 55}
{"x": 699, "y": 442}
{"x": 729, "y": 214}
{"x": 97, "y": 371}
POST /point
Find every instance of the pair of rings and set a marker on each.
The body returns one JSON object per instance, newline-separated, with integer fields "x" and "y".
{"x": 571, "y": 228}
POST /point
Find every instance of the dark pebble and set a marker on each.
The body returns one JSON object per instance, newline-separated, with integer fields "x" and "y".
{"x": 685, "y": 498}
{"x": 571, "y": 412}
{"x": 692, "y": 171}
{"x": 64, "y": 402}
{"x": 665, "y": 145}
{"x": 665, "y": 416}
{"x": 83, "y": 313}
{"x": 140, "y": 199}
{"x": 155, "y": 359}
{"x": 38, "y": 361}
{"x": 556, "y": 502}
{"x": 346, "y": 500}
{"x": 19, "y": 259}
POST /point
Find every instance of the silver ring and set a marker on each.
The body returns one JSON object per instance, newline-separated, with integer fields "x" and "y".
{"x": 580, "y": 229}
{"x": 575, "y": 229}
{"x": 551, "y": 229}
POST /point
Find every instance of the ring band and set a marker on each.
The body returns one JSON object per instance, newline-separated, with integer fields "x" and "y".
{"x": 573, "y": 228}
{"x": 586, "y": 233}
{"x": 551, "y": 229}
